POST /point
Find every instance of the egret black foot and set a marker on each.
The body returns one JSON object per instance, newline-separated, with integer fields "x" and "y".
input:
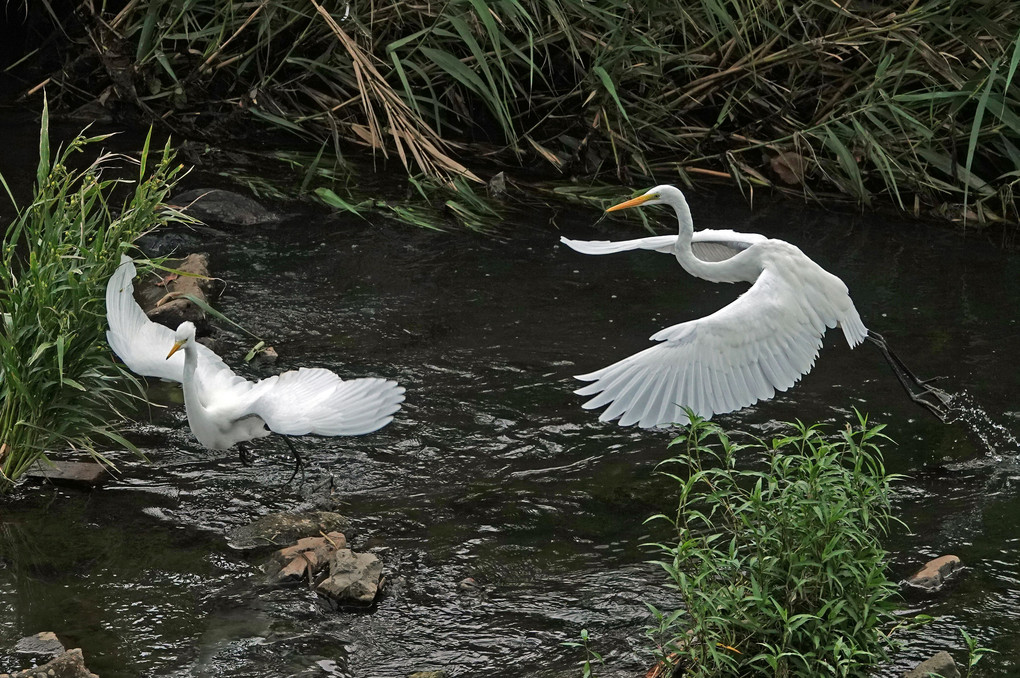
{"x": 299, "y": 465}
{"x": 244, "y": 454}
{"x": 933, "y": 399}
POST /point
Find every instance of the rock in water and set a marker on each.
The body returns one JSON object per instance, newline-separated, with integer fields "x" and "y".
{"x": 941, "y": 664}
{"x": 70, "y": 664}
{"x": 303, "y": 560}
{"x": 80, "y": 475}
{"x": 215, "y": 205}
{"x": 353, "y": 577}
{"x": 933, "y": 575}
{"x": 276, "y": 530}
{"x": 164, "y": 300}
{"x": 44, "y": 644}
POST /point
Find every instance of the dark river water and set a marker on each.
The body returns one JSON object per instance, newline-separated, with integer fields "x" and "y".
{"x": 493, "y": 471}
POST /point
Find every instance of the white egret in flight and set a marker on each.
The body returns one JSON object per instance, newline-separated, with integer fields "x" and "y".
{"x": 225, "y": 409}
{"x": 764, "y": 341}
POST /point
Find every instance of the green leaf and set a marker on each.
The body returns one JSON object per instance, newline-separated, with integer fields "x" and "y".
{"x": 607, "y": 82}
{"x": 72, "y": 383}
{"x": 254, "y": 349}
{"x": 333, "y": 200}
{"x": 975, "y": 129}
{"x": 204, "y": 305}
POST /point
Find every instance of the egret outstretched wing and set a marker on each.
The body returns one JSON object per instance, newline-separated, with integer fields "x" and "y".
{"x": 762, "y": 342}
{"x": 313, "y": 400}
{"x": 659, "y": 243}
{"x": 142, "y": 344}
{"x": 708, "y": 245}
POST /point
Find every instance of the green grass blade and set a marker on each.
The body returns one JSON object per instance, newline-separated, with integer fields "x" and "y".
{"x": 204, "y": 305}
{"x": 975, "y": 128}
{"x": 607, "y": 82}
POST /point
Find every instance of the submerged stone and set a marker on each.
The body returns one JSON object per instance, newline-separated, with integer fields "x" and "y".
{"x": 164, "y": 300}
{"x": 303, "y": 560}
{"x": 933, "y": 575}
{"x": 218, "y": 206}
{"x": 81, "y": 475}
{"x": 168, "y": 243}
{"x": 70, "y": 664}
{"x": 941, "y": 664}
{"x": 44, "y": 644}
{"x": 353, "y": 577}
{"x": 266, "y": 356}
{"x": 276, "y": 530}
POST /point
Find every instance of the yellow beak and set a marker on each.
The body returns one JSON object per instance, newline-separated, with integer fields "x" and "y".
{"x": 177, "y": 347}
{"x": 634, "y": 202}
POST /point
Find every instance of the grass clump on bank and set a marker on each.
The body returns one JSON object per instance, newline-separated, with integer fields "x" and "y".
{"x": 910, "y": 103}
{"x": 780, "y": 571}
{"x": 59, "y": 384}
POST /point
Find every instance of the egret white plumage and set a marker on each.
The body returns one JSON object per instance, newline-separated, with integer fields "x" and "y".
{"x": 764, "y": 341}
{"x": 225, "y": 409}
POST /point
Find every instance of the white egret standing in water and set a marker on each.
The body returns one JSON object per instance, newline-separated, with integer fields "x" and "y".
{"x": 764, "y": 341}
{"x": 225, "y": 409}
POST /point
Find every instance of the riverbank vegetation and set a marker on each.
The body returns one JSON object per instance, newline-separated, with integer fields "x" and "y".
{"x": 913, "y": 104}
{"x": 780, "y": 571}
{"x": 59, "y": 383}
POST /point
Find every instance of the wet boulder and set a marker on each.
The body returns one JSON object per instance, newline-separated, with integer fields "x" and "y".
{"x": 44, "y": 644}
{"x": 265, "y": 356}
{"x": 303, "y": 560}
{"x": 218, "y": 206}
{"x": 166, "y": 242}
{"x": 70, "y": 664}
{"x": 941, "y": 664}
{"x": 79, "y": 475}
{"x": 934, "y": 574}
{"x": 277, "y": 530}
{"x": 353, "y": 578}
{"x": 164, "y": 299}
{"x": 328, "y": 566}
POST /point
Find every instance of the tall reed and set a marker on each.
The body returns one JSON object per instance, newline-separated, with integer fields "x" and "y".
{"x": 60, "y": 387}
{"x": 913, "y": 102}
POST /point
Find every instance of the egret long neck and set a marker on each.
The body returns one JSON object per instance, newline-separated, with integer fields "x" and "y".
{"x": 712, "y": 271}
{"x": 191, "y": 399}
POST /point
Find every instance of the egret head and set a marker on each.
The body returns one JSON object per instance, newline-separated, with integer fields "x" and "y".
{"x": 185, "y": 333}
{"x": 660, "y": 195}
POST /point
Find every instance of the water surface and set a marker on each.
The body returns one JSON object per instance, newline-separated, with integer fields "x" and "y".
{"x": 492, "y": 470}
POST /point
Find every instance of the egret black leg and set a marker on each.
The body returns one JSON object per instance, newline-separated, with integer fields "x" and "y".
{"x": 935, "y": 400}
{"x": 298, "y": 463}
{"x": 244, "y": 454}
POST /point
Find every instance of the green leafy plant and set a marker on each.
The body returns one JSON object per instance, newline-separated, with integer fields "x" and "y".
{"x": 59, "y": 384}
{"x": 591, "y": 657}
{"x": 779, "y": 570}
{"x": 974, "y": 652}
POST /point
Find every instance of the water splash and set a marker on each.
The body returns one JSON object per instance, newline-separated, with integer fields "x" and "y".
{"x": 997, "y": 439}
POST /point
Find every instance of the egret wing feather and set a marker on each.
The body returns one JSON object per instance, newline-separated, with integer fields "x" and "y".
{"x": 763, "y": 342}
{"x": 659, "y": 243}
{"x": 142, "y": 344}
{"x": 314, "y": 401}
{"x": 721, "y": 244}
{"x": 708, "y": 245}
